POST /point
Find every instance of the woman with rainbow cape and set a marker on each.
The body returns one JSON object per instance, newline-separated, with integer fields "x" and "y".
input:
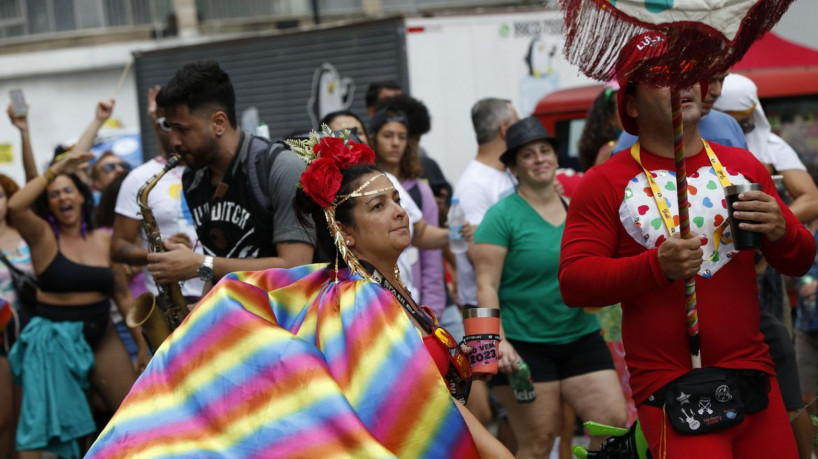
{"x": 315, "y": 361}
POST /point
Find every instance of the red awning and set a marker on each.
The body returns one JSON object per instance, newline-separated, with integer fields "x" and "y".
{"x": 773, "y": 51}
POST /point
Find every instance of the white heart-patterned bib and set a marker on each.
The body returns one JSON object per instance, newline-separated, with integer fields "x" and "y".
{"x": 708, "y": 213}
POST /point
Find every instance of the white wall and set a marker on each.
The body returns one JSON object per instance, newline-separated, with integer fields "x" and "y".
{"x": 60, "y": 106}
{"x": 456, "y": 61}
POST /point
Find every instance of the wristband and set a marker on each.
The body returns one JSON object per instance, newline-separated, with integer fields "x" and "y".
{"x": 49, "y": 175}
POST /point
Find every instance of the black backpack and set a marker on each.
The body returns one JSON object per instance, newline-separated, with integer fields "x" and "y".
{"x": 260, "y": 156}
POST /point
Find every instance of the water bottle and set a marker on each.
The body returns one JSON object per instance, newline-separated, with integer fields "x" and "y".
{"x": 521, "y": 383}
{"x": 456, "y": 219}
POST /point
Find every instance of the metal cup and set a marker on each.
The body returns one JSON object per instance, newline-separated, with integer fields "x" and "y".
{"x": 742, "y": 240}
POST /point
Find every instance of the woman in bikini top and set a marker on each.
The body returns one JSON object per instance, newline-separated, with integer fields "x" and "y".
{"x": 72, "y": 263}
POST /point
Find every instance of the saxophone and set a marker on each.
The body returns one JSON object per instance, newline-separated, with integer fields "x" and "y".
{"x": 156, "y": 327}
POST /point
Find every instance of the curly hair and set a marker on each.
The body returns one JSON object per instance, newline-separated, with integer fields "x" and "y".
{"x": 311, "y": 216}
{"x": 600, "y": 128}
{"x": 87, "y": 212}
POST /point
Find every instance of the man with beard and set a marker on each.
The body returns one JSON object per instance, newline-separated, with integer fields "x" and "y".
{"x": 239, "y": 190}
{"x": 129, "y": 243}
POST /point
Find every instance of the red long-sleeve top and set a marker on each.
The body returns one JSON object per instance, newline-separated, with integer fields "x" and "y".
{"x": 609, "y": 255}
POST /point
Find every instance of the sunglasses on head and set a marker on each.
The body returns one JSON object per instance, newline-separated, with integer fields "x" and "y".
{"x": 163, "y": 124}
{"x": 110, "y": 167}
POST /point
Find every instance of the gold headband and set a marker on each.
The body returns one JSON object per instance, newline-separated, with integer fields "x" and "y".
{"x": 357, "y": 193}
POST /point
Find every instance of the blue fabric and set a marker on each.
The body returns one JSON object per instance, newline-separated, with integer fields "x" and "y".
{"x": 716, "y": 127}
{"x": 808, "y": 310}
{"x": 52, "y": 360}
{"x": 127, "y": 339}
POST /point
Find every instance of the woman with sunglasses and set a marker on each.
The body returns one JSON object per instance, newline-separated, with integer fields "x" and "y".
{"x": 375, "y": 374}
{"x": 104, "y": 170}
{"x": 72, "y": 263}
{"x": 517, "y": 249}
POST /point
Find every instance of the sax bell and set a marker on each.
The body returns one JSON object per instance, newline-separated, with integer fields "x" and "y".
{"x": 146, "y": 314}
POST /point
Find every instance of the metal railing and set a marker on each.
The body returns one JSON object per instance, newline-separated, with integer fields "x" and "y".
{"x": 214, "y": 10}
{"x": 35, "y": 17}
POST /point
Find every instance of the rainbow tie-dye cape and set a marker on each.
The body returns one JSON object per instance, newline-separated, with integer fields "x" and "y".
{"x": 287, "y": 363}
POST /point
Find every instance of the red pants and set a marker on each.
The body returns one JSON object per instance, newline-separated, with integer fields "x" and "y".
{"x": 763, "y": 435}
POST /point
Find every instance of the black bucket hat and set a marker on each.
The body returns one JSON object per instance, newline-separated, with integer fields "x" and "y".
{"x": 522, "y": 132}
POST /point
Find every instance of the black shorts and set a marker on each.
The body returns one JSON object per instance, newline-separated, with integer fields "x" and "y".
{"x": 95, "y": 318}
{"x": 555, "y": 362}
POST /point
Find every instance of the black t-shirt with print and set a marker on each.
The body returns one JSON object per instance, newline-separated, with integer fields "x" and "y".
{"x": 234, "y": 225}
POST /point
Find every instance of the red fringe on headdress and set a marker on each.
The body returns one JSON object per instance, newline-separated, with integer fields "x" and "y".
{"x": 595, "y": 31}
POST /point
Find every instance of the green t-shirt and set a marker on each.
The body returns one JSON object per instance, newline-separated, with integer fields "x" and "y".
{"x": 531, "y": 306}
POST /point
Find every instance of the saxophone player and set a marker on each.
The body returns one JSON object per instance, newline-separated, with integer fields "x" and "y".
{"x": 239, "y": 227}
{"x": 129, "y": 242}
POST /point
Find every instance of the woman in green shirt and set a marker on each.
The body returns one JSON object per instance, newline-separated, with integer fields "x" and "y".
{"x": 516, "y": 258}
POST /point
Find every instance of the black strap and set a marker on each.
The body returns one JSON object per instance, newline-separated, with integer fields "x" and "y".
{"x": 564, "y": 204}
{"x": 425, "y": 322}
{"x": 458, "y": 387}
{"x": 10, "y": 266}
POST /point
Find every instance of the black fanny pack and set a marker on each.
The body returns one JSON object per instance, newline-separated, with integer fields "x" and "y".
{"x": 709, "y": 399}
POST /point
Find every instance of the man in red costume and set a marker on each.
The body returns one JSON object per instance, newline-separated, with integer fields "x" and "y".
{"x": 616, "y": 248}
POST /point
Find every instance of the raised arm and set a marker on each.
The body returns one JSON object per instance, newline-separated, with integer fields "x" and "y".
{"x": 103, "y": 111}
{"x": 32, "y": 228}
{"x": 161, "y": 136}
{"x": 21, "y": 123}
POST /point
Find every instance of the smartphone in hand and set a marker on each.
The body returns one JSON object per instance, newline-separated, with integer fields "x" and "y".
{"x": 18, "y": 102}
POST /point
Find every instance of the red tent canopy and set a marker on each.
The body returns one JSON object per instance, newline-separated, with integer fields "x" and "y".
{"x": 773, "y": 51}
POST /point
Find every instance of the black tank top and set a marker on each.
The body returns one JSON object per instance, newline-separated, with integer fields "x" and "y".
{"x": 66, "y": 276}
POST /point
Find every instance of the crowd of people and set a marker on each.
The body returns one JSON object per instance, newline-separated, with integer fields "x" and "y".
{"x": 325, "y": 307}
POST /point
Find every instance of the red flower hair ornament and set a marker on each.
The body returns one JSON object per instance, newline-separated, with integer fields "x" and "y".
{"x": 327, "y": 155}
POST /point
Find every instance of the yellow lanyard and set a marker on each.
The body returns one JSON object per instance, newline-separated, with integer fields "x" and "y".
{"x": 658, "y": 195}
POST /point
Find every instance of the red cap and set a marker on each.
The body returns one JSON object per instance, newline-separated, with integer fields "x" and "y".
{"x": 635, "y": 56}
{"x": 640, "y": 62}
